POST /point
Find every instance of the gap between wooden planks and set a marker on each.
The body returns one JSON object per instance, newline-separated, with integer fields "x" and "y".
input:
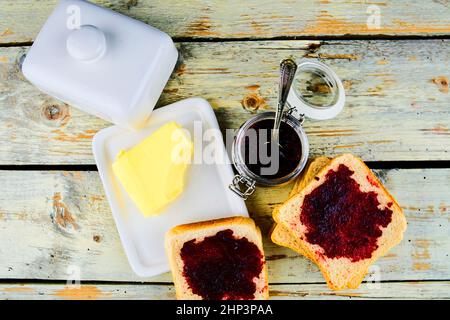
{"x": 397, "y": 99}
{"x": 36, "y": 243}
{"x": 384, "y": 290}
{"x": 21, "y": 20}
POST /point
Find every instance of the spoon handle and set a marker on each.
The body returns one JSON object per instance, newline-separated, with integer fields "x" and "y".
{"x": 288, "y": 67}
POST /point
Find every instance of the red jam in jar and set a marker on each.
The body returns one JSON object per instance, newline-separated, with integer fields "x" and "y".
{"x": 342, "y": 219}
{"x": 289, "y": 150}
{"x": 222, "y": 267}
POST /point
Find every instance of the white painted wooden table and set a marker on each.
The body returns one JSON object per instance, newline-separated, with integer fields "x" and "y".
{"x": 53, "y": 212}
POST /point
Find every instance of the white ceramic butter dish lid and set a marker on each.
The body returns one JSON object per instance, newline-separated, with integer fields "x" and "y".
{"x": 102, "y": 62}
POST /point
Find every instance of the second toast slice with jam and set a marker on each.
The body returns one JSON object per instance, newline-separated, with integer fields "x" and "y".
{"x": 343, "y": 220}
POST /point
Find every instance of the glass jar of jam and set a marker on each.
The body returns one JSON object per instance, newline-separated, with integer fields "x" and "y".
{"x": 317, "y": 93}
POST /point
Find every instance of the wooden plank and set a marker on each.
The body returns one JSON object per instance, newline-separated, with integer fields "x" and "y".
{"x": 86, "y": 292}
{"x": 384, "y": 290}
{"x": 397, "y": 99}
{"x": 21, "y": 20}
{"x": 367, "y": 290}
{"x": 38, "y": 243}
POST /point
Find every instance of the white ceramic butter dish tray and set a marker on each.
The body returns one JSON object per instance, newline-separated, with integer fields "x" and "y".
{"x": 206, "y": 194}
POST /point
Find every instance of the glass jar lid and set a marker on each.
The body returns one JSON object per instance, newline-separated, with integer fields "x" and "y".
{"x": 317, "y": 92}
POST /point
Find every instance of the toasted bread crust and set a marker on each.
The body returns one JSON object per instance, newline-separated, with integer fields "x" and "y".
{"x": 199, "y": 230}
{"x": 208, "y": 224}
{"x": 312, "y": 169}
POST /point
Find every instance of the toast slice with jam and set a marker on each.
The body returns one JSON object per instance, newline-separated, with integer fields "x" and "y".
{"x": 218, "y": 260}
{"x": 281, "y": 235}
{"x": 343, "y": 220}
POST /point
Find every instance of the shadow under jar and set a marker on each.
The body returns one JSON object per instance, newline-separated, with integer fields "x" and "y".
{"x": 316, "y": 93}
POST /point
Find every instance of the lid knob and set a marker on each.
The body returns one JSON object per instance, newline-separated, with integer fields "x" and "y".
{"x": 88, "y": 43}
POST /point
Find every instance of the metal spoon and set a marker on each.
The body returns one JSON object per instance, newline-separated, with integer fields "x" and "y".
{"x": 288, "y": 67}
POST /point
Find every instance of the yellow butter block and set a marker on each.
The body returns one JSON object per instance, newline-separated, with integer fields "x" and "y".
{"x": 152, "y": 172}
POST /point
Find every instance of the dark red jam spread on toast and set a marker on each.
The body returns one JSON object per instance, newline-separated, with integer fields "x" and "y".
{"x": 222, "y": 267}
{"x": 342, "y": 219}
